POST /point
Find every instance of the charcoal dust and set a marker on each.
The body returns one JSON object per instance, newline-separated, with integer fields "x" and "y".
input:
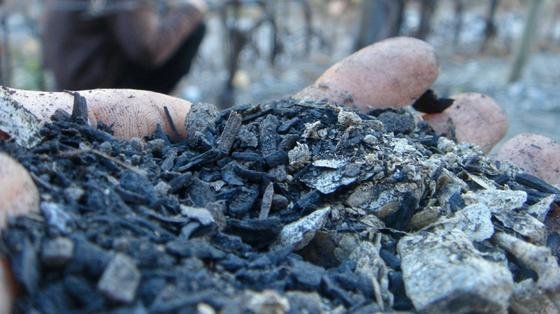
{"x": 283, "y": 207}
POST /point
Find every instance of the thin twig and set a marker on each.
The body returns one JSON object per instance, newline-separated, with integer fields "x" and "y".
{"x": 168, "y": 116}
{"x": 377, "y": 292}
{"x": 76, "y": 152}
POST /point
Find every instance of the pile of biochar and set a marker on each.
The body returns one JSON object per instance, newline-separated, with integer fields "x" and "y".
{"x": 284, "y": 207}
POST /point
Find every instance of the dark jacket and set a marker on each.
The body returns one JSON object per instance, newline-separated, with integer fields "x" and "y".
{"x": 90, "y": 48}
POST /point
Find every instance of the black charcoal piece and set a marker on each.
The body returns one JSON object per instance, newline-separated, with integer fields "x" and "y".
{"x": 535, "y": 183}
{"x": 53, "y": 299}
{"x": 247, "y": 138}
{"x": 279, "y": 202}
{"x": 306, "y": 275}
{"x": 268, "y": 138}
{"x": 251, "y": 175}
{"x": 233, "y": 123}
{"x": 402, "y": 216}
{"x": 132, "y": 197}
{"x": 136, "y": 183}
{"x": 79, "y": 109}
{"x": 233, "y": 263}
{"x": 243, "y": 201}
{"x": 120, "y": 279}
{"x": 396, "y": 286}
{"x": 231, "y": 243}
{"x": 201, "y": 193}
{"x": 200, "y": 119}
{"x": 308, "y": 200}
{"x": 277, "y": 158}
{"x": 390, "y": 259}
{"x": 182, "y": 301}
{"x": 205, "y": 158}
{"x": 333, "y": 290}
{"x": 57, "y": 252}
{"x": 24, "y": 262}
{"x": 194, "y": 248}
{"x": 430, "y": 103}
{"x": 286, "y": 125}
{"x": 180, "y": 182}
{"x": 247, "y": 156}
{"x": 230, "y": 176}
{"x": 288, "y": 142}
{"x": 169, "y": 160}
{"x": 84, "y": 293}
{"x": 399, "y": 123}
{"x": 88, "y": 258}
{"x": 138, "y": 308}
{"x": 258, "y": 233}
{"x": 553, "y": 243}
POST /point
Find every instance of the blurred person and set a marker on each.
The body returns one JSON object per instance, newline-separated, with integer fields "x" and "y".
{"x": 140, "y": 44}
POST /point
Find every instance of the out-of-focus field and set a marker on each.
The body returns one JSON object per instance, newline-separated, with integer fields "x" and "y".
{"x": 531, "y": 103}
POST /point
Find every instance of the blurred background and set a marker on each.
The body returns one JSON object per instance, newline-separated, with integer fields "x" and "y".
{"x": 256, "y": 51}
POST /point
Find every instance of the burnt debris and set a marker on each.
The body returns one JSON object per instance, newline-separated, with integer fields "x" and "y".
{"x": 285, "y": 207}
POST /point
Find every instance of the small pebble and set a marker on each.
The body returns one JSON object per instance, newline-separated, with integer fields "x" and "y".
{"x": 120, "y": 279}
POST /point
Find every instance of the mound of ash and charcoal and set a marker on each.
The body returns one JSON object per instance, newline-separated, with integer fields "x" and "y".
{"x": 285, "y": 207}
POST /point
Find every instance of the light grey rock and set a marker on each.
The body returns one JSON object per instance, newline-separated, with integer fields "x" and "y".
{"x": 306, "y": 302}
{"x": 524, "y": 224}
{"x": 506, "y": 206}
{"x": 326, "y": 180}
{"x": 499, "y": 201}
{"x": 299, "y": 156}
{"x": 537, "y": 258}
{"x": 348, "y": 118}
{"x": 444, "y": 273}
{"x": 371, "y": 265}
{"x": 55, "y": 215}
{"x": 527, "y": 298}
{"x": 162, "y": 188}
{"x": 202, "y": 215}
{"x": 541, "y": 208}
{"x": 74, "y": 192}
{"x": 57, "y": 252}
{"x": 329, "y": 163}
{"x": 267, "y": 302}
{"x": 474, "y": 221}
{"x": 425, "y": 217}
{"x": 120, "y": 279}
{"x": 311, "y": 130}
{"x": 380, "y": 199}
{"x": 300, "y": 232}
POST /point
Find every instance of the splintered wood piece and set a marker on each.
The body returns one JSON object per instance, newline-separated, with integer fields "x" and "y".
{"x": 79, "y": 109}
{"x": 233, "y": 124}
{"x": 266, "y": 201}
